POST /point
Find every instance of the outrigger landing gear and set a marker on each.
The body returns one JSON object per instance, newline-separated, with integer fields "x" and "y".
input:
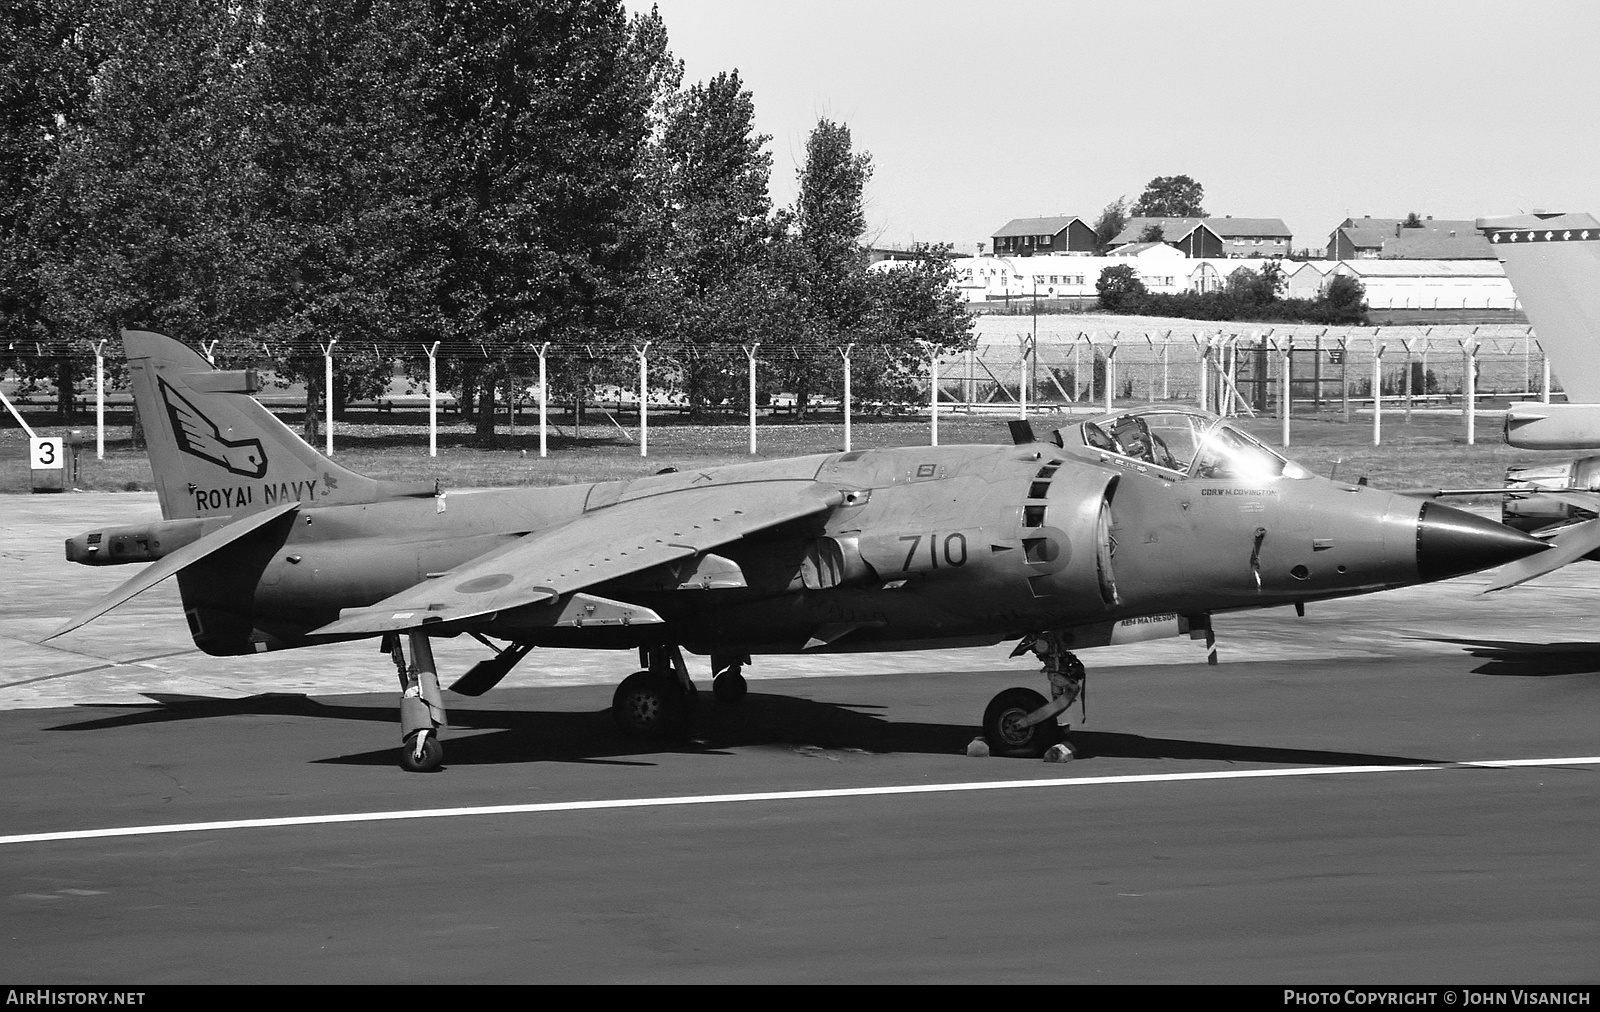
{"x": 727, "y": 679}
{"x": 422, "y": 714}
{"x": 1021, "y": 722}
{"x": 658, "y": 702}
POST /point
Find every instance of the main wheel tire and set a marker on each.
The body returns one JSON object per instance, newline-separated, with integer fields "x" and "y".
{"x": 730, "y": 686}
{"x": 648, "y": 705}
{"x": 431, "y": 759}
{"x": 1002, "y": 730}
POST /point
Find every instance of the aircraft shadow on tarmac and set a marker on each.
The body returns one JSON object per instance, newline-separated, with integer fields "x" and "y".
{"x": 1531, "y": 660}
{"x": 493, "y": 736}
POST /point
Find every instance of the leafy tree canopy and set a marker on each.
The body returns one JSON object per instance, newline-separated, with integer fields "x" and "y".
{"x": 1113, "y": 219}
{"x": 1119, "y": 287}
{"x": 1171, "y": 197}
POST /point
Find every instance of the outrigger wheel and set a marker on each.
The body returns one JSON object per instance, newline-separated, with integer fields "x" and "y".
{"x": 730, "y": 686}
{"x": 422, "y": 752}
{"x": 1007, "y": 735}
{"x": 650, "y": 704}
{"x": 727, "y": 677}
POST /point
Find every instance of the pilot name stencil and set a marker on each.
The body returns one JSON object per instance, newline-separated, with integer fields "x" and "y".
{"x": 1238, "y": 491}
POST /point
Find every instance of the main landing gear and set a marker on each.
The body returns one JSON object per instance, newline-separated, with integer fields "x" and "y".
{"x": 661, "y": 701}
{"x": 422, "y": 714}
{"x": 1021, "y": 722}
{"x": 658, "y": 702}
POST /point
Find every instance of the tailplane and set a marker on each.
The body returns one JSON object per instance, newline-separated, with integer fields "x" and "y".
{"x": 1553, "y": 264}
{"x": 216, "y": 451}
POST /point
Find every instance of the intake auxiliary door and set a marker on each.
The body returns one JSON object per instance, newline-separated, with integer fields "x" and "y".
{"x": 1066, "y": 533}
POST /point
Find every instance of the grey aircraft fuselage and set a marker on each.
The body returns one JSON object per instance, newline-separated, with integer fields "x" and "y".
{"x": 930, "y": 546}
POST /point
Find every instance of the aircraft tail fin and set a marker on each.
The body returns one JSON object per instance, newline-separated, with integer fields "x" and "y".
{"x": 216, "y": 451}
{"x": 1553, "y": 263}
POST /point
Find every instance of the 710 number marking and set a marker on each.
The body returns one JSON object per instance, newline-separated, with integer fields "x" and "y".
{"x": 955, "y": 550}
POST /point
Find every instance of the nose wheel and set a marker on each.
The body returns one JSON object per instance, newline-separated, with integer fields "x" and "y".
{"x": 1021, "y": 722}
{"x": 1010, "y": 732}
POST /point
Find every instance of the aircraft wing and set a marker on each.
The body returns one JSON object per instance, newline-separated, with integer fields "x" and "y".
{"x": 170, "y": 565}
{"x": 1567, "y": 546}
{"x": 600, "y": 545}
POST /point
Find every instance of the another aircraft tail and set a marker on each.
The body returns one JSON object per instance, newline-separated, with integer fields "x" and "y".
{"x": 1553, "y": 263}
{"x": 216, "y": 451}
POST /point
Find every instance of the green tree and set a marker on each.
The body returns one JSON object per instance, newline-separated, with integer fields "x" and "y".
{"x": 821, "y": 263}
{"x": 340, "y": 221}
{"x": 712, "y": 286}
{"x": 1346, "y": 294}
{"x": 1119, "y": 288}
{"x": 539, "y": 120}
{"x": 44, "y": 81}
{"x": 1171, "y": 197}
{"x": 133, "y": 222}
{"x": 1413, "y": 220}
{"x": 916, "y": 314}
{"x": 1153, "y": 232}
{"x": 1113, "y": 219}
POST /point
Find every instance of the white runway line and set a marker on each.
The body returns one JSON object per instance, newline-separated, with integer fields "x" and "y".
{"x": 718, "y": 799}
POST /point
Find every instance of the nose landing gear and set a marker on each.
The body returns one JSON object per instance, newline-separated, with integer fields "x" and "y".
{"x": 1021, "y": 722}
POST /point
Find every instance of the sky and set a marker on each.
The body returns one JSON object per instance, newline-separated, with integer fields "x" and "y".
{"x": 977, "y": 113}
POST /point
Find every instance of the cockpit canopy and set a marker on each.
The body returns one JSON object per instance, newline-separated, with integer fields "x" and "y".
{"x": 1191, "y": 443}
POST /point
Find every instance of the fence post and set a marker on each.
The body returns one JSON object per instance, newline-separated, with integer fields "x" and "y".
{"x": 433, "y": 398}
{"x": 1091, "y": 397}
{"x": 1377, "y": 389}
{"x": 1076, "y": 371}
{"x": 1546, "y": 388}
{"x": 1405, "y": 345}
{"x": 1344, "y": 374}
{"x": 544, "y": 402}
{"x": 100, "y": 400}
{"x": 845, "y": 354}
{"x": 1022, "y": 378}
{"x": 1166, "y": 342}
{"x": 644, "y": 400}
{"x": 1286, "y": 402}
{"x": 1469, "y": 385}
{"x": 1111, "y": 371}
{"x": 327, "y": 389}
{"x": 1150, "y": 383}
{"x": 750, "y": 353}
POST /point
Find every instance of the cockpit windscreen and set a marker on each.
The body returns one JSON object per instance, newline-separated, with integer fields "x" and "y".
{"x": 1199, "y": 445}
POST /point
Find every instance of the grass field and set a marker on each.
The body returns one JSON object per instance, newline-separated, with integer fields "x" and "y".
{"x": 1430, "y": 450}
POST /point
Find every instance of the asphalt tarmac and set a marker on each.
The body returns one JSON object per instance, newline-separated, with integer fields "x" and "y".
{"x": 1399, "y": 788}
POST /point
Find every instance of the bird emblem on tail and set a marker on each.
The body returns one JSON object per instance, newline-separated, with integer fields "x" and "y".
{"x": 200, "y": 437}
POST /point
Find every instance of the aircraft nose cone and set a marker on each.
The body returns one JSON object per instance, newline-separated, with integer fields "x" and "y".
{"x": 1451, "y": 542}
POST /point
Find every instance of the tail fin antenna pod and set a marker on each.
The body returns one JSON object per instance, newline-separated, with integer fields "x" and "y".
{"x": 216, "y": 451}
